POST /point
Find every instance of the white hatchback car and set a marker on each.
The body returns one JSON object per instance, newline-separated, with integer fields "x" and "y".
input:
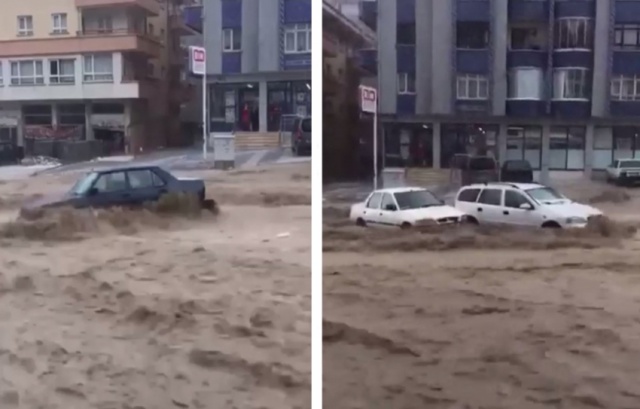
{"x": 522, "y": 204}
{"x": 403, "y": 207}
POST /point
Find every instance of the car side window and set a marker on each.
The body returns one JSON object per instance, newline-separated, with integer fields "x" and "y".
{"x": 387, "y": 200}
{"x": 374, "y": 201}
{"x": 157, "y": 180}
{"x": 111, "y": 182}
{"x": 514, "y": 199}
{"x": 468, "y": 195}
{"x": 140, "y": 179}
{"x": 491, "y": 197}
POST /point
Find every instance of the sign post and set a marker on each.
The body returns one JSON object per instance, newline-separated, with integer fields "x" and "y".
{"x": 369, "y": 104}
{"x": 198, "y": 57}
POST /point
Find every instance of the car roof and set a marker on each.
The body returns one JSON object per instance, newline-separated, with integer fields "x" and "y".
{"x": 400, "y": 189}
{"x": 520, "y": 186}
{"x": 117, "y": 168}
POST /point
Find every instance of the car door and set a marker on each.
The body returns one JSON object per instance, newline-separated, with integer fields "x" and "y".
{"x": 512, "y": 212}
{"x": 489, "y": 205}
{"x": 145, "y": 186}
{"x": 110, "y": 189}
{"x": 387, "y": 216}
{"x": 371, "y": 212}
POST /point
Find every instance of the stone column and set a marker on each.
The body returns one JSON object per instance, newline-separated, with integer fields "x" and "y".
{"x": 263, "y": 106}
{"x": 502, "y": 143}
{"x": 588, "y": 151}
{"x": 436, "y": 145}
{"x": 544, "y": 160}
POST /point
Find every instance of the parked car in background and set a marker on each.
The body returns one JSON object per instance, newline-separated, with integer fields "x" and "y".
{"x": 522, "y": 204}
{"x": 624, "y": 171}
{"x": 403, "y": 207}
{"x": 467, "y": 169}
{"x": 301, "y": 136}
{"x": 122, "y": 186}
{"x": 518, "y": 171}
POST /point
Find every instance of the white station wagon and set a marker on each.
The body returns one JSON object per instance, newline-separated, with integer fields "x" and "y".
{"x": 403, "y": 207}
{"x": 522, "y": 204}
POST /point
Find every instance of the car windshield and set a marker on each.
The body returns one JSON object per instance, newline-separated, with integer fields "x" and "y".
{"x": 625, "y": 164}
{"x": 82, "y": 186}
{"x": 416, "y": 199}
{"x": 545, "y": 195}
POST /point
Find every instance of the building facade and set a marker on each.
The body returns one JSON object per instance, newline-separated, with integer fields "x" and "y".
{"x": 83, "y": 70}
{"x": 556, "y": 82}
{"x": 258, "y": 61}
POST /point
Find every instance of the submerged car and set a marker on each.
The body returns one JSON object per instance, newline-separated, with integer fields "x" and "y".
{"x": 624, "y": 172}
{"x": 124, "y": 186}
{"x": 522, "y": 204}
{"x": 403, "y": 207}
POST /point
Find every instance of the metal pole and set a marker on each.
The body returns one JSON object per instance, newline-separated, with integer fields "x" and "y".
{"x": 375, "y": 146}
{"x": 204, "y": 112}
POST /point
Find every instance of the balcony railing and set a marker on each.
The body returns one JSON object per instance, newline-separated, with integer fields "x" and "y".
{"x": 101, "y": 32}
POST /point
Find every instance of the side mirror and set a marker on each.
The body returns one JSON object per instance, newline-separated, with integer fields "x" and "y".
{"x": 526, "y": 206}
{"x": 92, "y": 192}
{"x": 391, "y": 207}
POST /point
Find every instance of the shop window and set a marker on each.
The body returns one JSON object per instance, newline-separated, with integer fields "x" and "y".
{"x": 602, "y": 147}
{"x": 525, "y": 143}
{"x": 408, "y": 146}
{"x": 566, "y": 148}
{"x": 626, "y": 142}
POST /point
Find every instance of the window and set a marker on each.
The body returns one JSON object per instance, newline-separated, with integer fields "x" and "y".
{"x": 59, "y": 23}
{"x": 98, "y": 68}
{"x": 231, "y": 40}
{"x": 571, "y": 33}
{"x": 566, "y": 148}
{"x": 387, "y": 201}
{"x": 27, "y": 72}
{"x": 406, "y": 83}
{"x": 472, "y": 87}
{"x": 625, "y": 88}
{"x": 297, "y": 39}
{"x": 469, "y": 195}
{"x": 374, "y": 201}
{"x": 25, "y": 26}
{"x": 627, "y": 36}
{"x": 491, "y": 197}
{"x": 514, "y": 199}
{"x": 626, "y": 142}
{"x": 406, "y": 33}
{"x": 525, "y": 143}
{"x": 416, "y": 199}
{"x": 37, "y": 114}
{"x": 62, "y": 71}
{"x": 571, "y": 83}
{"x": 140, "y": 179}
{"x": 527, "y": 38}
{"x": 602, "y": 147}
{"x": 526, "y": 83}
{"x": 105, "y": 24}
{"x": 111, "y": 182}
{"x": 472, "y": 35}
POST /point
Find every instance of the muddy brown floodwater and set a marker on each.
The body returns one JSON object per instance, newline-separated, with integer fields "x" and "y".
{"x": 140, "y": 310}
{"x": 484, "y": 319}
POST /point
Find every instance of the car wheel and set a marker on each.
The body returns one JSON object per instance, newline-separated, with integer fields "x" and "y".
{"x": 472, "y": 220}
{"x": 405, "y": 226}
{"x": 551, "y": 225}
{"x": 361, "y": 223}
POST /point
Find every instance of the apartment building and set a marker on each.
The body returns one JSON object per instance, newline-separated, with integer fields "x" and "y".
{"x": 343, "y": 34}
{"x": 105, "y": 70}
{"x": 556, "y": 82}
{"x": 259, "y": 64}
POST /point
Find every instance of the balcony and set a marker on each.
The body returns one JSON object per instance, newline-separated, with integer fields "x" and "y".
{"x": 150, "y": 7}
{"x": 84, "y": 42}
{"x": 527, "y": 58}
{"x": 528, "y": 10}
{"x": 178, "y": 24}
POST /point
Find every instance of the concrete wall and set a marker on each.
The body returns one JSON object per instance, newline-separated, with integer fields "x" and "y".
{"x": 442, "y": 39}
{"x": 212, "y": 33}
{"x": 268, "y": 46}
{"x": 499, "y": 38}
{"x": 600, "y": 88}
{"x": 424, "y": 64}
{"x": 41, "y": 11}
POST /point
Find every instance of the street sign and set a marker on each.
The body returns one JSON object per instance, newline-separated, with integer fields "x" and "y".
{"x": 198, "y": 57}
{"x": 368, "y": 99}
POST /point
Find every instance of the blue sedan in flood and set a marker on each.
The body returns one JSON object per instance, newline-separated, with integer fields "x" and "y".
{"x": 122, "y": 186}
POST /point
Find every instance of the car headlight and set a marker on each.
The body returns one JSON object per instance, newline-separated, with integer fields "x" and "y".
{"x": 576, "y": 220}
